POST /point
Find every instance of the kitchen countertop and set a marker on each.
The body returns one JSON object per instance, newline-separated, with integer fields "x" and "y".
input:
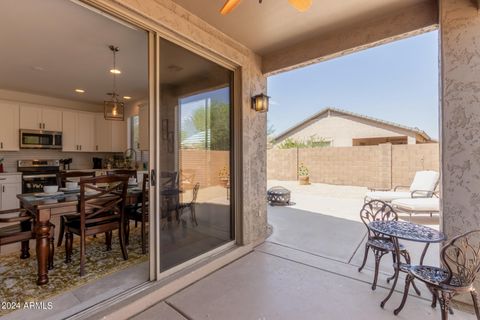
{"x": 10, "y": 173}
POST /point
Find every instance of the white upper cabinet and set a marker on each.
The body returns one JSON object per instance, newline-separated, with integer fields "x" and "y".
{"x": 79, "y": 131}
{"x": 69, "y": 135}
{"x": 9, "y": 126}
{"x": 52, "y": 119}
{"x": 119, "y": 136}
{"x": 86, "y": 132}
{"x": 33, "y": 117}
{"x": 143, "y": 128}
{"x": 103, "y": 133}
{"x": 111, "y": 136}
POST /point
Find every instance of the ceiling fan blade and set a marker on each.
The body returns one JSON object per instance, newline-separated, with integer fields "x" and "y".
{"x": 301, "y": 5}
{"x": 229, "y": 6}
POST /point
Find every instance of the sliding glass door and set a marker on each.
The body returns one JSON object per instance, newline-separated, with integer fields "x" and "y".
{"x": 195, "y": 152}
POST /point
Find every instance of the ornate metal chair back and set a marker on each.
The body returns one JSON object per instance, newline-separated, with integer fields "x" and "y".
{"x": 461, "y": 256}
{"x": 376, "y": 210}
{"x": 195, "y": 192}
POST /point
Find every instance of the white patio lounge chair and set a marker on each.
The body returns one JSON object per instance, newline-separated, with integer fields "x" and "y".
{"x": 423, "y": 186}
{"x": 417, "y": 205}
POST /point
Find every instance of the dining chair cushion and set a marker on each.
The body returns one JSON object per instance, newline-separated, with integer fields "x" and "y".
{"x": 425, "y": 180}
{"x": 388, "y": 196}
{"x": 417, "y": 204}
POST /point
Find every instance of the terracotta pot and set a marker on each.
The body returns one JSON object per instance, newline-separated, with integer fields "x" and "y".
{"x": 304, "y": 180}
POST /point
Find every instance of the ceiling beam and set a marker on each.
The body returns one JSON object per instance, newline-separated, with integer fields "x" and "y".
{"x": 400, "y": 24}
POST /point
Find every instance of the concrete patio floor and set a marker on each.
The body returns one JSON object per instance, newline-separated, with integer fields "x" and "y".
{"x": 306, "y": 269}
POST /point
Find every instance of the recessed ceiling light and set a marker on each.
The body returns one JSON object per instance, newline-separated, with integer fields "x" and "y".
{"x": 79, "y": 90}
{"x": 127, "y": 97}
{"x": 115, "y": 71}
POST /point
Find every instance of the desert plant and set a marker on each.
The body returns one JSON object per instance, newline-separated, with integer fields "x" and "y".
{"x": 312, "y": 142}
{"x": 302, "y": 170}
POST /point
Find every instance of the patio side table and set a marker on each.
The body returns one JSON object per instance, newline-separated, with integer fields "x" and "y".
{"x": 278, "y": 196}
{"x": 406, "y": 231}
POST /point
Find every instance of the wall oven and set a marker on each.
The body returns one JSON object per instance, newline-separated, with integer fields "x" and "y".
{"x": 39, "y": 139}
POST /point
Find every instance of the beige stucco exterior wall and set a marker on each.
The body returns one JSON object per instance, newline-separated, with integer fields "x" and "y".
{"x": 460, "y": 115}
{"x": 342, "y": 129}
{"x": 172, "y": 18}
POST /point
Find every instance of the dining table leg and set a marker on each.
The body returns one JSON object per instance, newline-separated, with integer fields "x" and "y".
{"x": 397, "y": 270}
{"x": 42, "y": 233}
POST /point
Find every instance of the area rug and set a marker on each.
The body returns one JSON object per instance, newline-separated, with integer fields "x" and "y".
{"x": 18, "y": 277}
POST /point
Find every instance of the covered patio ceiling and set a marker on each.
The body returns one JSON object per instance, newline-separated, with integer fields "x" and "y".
{"x": 286, "y": 38}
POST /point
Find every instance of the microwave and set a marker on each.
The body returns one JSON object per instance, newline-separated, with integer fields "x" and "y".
{"x": 39, "y": 139}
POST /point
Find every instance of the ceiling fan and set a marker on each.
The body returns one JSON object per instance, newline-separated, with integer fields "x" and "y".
{"x": 300, "y": 5}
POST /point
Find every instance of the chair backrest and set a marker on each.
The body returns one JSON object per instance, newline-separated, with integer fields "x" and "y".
{"x": 461, "y": 256}
{"x": 425, "y": 180}
{"x": 195, "y": 192}
{"x": 145, "y": 193}
{"x": 376, "y": 210}
{"x": 129, "y": 172}
{"x": 169, "y": 179}
{"x": 187, "y": 177}
{"x": 98, "y": 204}
{"x": 62, "y": 177}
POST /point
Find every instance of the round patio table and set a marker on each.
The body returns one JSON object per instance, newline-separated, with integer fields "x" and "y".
{"x": 406, "y": 231}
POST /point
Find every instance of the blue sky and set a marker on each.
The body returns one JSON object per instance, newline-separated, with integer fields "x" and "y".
{"x": 397, "y": 82}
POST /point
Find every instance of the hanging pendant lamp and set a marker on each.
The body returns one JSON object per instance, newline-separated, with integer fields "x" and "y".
{"x": 113, "y": 108}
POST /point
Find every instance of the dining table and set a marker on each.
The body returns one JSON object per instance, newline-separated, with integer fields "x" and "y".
{"x": 408, "y": 231}
{"x": 45, "y": 207}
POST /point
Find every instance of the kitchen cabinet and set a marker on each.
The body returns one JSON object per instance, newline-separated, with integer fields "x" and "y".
{"x": 111, "y": 136}
{"x": 10, "y": 186}
{"x": 9, "y": 126}
{"x": 143, "y": 128}
{"x": 79, "y": 131}
{"x": 33, "y": 117}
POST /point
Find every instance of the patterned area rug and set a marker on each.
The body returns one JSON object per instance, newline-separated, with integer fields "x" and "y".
{"x": 18, "y": 277}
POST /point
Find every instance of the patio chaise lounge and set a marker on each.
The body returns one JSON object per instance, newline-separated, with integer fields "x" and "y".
{"x": 423, "y": 186}
{"x": 417, "y": 205}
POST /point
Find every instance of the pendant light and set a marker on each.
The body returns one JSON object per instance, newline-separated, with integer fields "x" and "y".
{"x": 113, "y": 108}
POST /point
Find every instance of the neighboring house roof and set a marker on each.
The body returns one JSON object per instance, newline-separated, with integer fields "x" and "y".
{"x": 312, "y": 119}
{"x": 197, "y": 140}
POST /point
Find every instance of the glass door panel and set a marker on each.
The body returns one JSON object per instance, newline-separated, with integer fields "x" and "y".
{"x": 195, "y": 154}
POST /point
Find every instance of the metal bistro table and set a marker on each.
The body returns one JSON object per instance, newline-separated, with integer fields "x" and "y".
{"x": 44, "y": 209}
{"x": 406, "y": 231}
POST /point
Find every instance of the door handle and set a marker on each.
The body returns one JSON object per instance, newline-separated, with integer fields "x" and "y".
{"x": 3, "y": 188}
{"x": 152, "y": 178}
{"x": 1, "y": 145}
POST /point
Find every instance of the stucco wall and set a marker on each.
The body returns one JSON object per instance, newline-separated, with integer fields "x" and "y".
{"x": 460, "y": 116}
{"x": 176, "y": 20}
{"x": 342, "y": 129}
{"x": 383, "y": 166}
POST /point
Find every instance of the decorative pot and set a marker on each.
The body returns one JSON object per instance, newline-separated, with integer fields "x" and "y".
{"x": 304, "y": 180}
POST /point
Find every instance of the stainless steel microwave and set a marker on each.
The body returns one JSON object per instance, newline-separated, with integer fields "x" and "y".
{"x": 39, "y": 139}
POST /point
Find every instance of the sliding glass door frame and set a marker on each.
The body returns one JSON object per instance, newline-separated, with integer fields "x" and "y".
{"x": 156, "y": 32}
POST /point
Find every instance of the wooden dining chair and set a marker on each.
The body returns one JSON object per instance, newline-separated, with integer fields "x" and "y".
{"x": 461, "y": 262}
{"x": 191, "y": 205}
{"x": 140, "y": 215}
{"x": 131, "y": 173}
{"x": 62, "y": 178}
{"x": 380, "y": 245}
{"x": 20, "y": 228}
{"x": 101, "y": 211}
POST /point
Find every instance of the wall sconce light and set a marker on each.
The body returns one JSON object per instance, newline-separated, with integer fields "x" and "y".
{"x": 260, "y": 102}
